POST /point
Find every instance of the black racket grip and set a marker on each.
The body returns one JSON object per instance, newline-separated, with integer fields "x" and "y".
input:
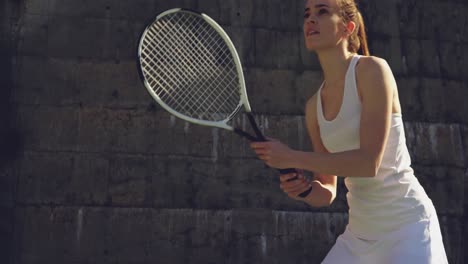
{"x": 260, "y": 137}
{"x": 287, "y": 171}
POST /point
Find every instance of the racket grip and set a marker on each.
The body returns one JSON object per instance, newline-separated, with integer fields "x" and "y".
{"x": 287, "y": 171}
{"x": 291, "y": 170}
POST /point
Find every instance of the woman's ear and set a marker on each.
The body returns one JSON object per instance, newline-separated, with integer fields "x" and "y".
{"x": 350, "y": 27}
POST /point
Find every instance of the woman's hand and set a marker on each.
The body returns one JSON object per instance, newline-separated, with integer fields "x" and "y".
{"x": 295, "y": 187}
{"x": 274, "y": 153}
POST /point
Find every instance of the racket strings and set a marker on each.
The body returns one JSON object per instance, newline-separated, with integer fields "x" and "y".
{"x": 190, "y": 67}
{"x": 211, "y": 34}
{"x": 196, "y": 110}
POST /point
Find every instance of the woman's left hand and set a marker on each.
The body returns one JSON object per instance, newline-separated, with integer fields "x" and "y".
{"x": 274, "y": 153}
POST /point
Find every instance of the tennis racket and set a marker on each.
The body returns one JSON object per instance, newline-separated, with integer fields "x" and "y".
{"x": 191, "y": 68}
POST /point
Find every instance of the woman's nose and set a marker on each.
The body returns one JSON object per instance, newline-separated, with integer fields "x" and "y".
{"x": 312, "y": 20}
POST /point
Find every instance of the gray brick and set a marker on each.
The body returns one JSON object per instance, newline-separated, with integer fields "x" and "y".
{"x": 434, "y": 22}
{"x": 390, "y": 50}
{"x": 48, "y": 129}
{"x": 123, "y": 41}
{"x": 288, "y": 48}
{"x": 464, "y": 30}
{"x": 33, "y": 34}
{"x": 430, "y": 59}
{"x": 7, "y": 224}
{"x": 229, "y": 183}
{"x": 451, "y": 228}
{"x": 66, "y": 234}
{"x": 84, "y": 9}
{"x": 443, "y": 100}
{"x": 57, "y": 178}
{"x": 408, "y": 15}
{"x": 442, "y": 185}
{"x": 435, "y": 144}
{"x": 465, "y": 219}
{"x": 119, "y": 130}
{"x": 47, "y": 81}
{"x": 456, "y": 107}
{"x": 272, "y": 91}
{"x": 33, "y": 7}
{"x": 280, "y": 15}
{"x": 266, "y": 15}
{"x": 307, "y": 84}
{"x": 109, "y": 83}
{"x": 225, "y": 13}
{"x": 8, "y": 179}
{"x": 451, "y": 60}
{"x": 242, "y": 12}
{"x": 309, "y": 60}
{"x": 174, "y": 236}
{"x": 464, "y": 136}
{"x": 433, "y": 91}
{"x": 243, "y": 40}
{"x": 289, "y": 15}
{"x": 92, "y": 38}
{"x": 408, "y": 92}
{"x": 203, "y": 183}
{"x": 213, "y": 9}
{"x": 72, "y": 82}
{"x": 141, "y": 131}
{"x": 130, "y": 180}
{"x": 276, "y": 49}
{"x": 265, "y": 48}
{"x": 74, "y": 37}
{"x": 135, "y": 10}
{"x": 412, "y": 52}
{"x": 464, "y": 64}
{"x": 259, "y": 243}
{"x": 383, "y": 18}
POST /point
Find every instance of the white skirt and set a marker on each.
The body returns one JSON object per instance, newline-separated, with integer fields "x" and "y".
{"x": 415, "y": 243}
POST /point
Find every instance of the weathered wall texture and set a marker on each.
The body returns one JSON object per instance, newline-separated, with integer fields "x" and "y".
{"x": 94, "y": 172}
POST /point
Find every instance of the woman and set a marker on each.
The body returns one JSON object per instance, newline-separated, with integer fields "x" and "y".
{"x": 355, "y": 124}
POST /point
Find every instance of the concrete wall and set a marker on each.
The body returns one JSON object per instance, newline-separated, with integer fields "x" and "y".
{"x": 94, "y": 172}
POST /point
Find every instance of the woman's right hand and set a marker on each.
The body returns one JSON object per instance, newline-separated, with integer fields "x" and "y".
{"x": 294, "y": 187}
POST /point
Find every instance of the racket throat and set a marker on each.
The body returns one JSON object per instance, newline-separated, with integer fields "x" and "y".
{"x": 246, "y": 135}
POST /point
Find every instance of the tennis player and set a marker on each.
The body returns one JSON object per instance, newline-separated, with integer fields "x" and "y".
{"x": 355, "y": 124}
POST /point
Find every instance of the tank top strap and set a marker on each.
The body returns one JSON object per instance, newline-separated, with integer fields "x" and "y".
{"x": 320, "y": 116}
{"x": 350, "y": 90}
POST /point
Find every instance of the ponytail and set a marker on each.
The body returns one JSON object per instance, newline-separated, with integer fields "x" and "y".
{"x": 362, "y": 46}
{"x": 358, "y": 40}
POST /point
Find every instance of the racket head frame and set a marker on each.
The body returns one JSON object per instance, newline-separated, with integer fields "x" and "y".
{"x": 241, "y": 80}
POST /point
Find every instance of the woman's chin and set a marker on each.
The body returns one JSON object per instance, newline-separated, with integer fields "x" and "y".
{"x": 312, "y": 48}
{"x": 313, "y": 45}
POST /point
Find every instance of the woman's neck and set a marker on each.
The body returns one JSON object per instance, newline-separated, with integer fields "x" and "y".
{"x": 334, "y": 64}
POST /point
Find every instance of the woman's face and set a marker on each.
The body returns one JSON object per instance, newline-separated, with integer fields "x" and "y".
{"x": 323, "y": 26}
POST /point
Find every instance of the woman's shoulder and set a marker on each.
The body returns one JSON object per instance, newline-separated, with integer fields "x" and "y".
{"x": 367, "y": 63}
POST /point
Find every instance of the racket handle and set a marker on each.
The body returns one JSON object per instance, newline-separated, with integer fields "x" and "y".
{"x": 260, "y": 137}
{"x": 287, "y": 171}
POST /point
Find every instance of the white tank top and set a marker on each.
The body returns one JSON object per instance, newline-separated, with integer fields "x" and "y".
{"x": 394, "y": 196}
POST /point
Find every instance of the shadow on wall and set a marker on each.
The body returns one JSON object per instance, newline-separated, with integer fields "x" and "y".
{"x": 10, "y": 139}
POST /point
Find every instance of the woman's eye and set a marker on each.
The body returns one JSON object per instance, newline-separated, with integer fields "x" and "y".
{"x": 306, "y": 15}
{"x": 322, "y": 11}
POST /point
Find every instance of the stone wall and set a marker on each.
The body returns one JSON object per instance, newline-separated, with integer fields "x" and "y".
{"x": 93, "y": 171}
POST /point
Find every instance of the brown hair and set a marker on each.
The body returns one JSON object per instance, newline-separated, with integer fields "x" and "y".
{"x": 358, "y": 40}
